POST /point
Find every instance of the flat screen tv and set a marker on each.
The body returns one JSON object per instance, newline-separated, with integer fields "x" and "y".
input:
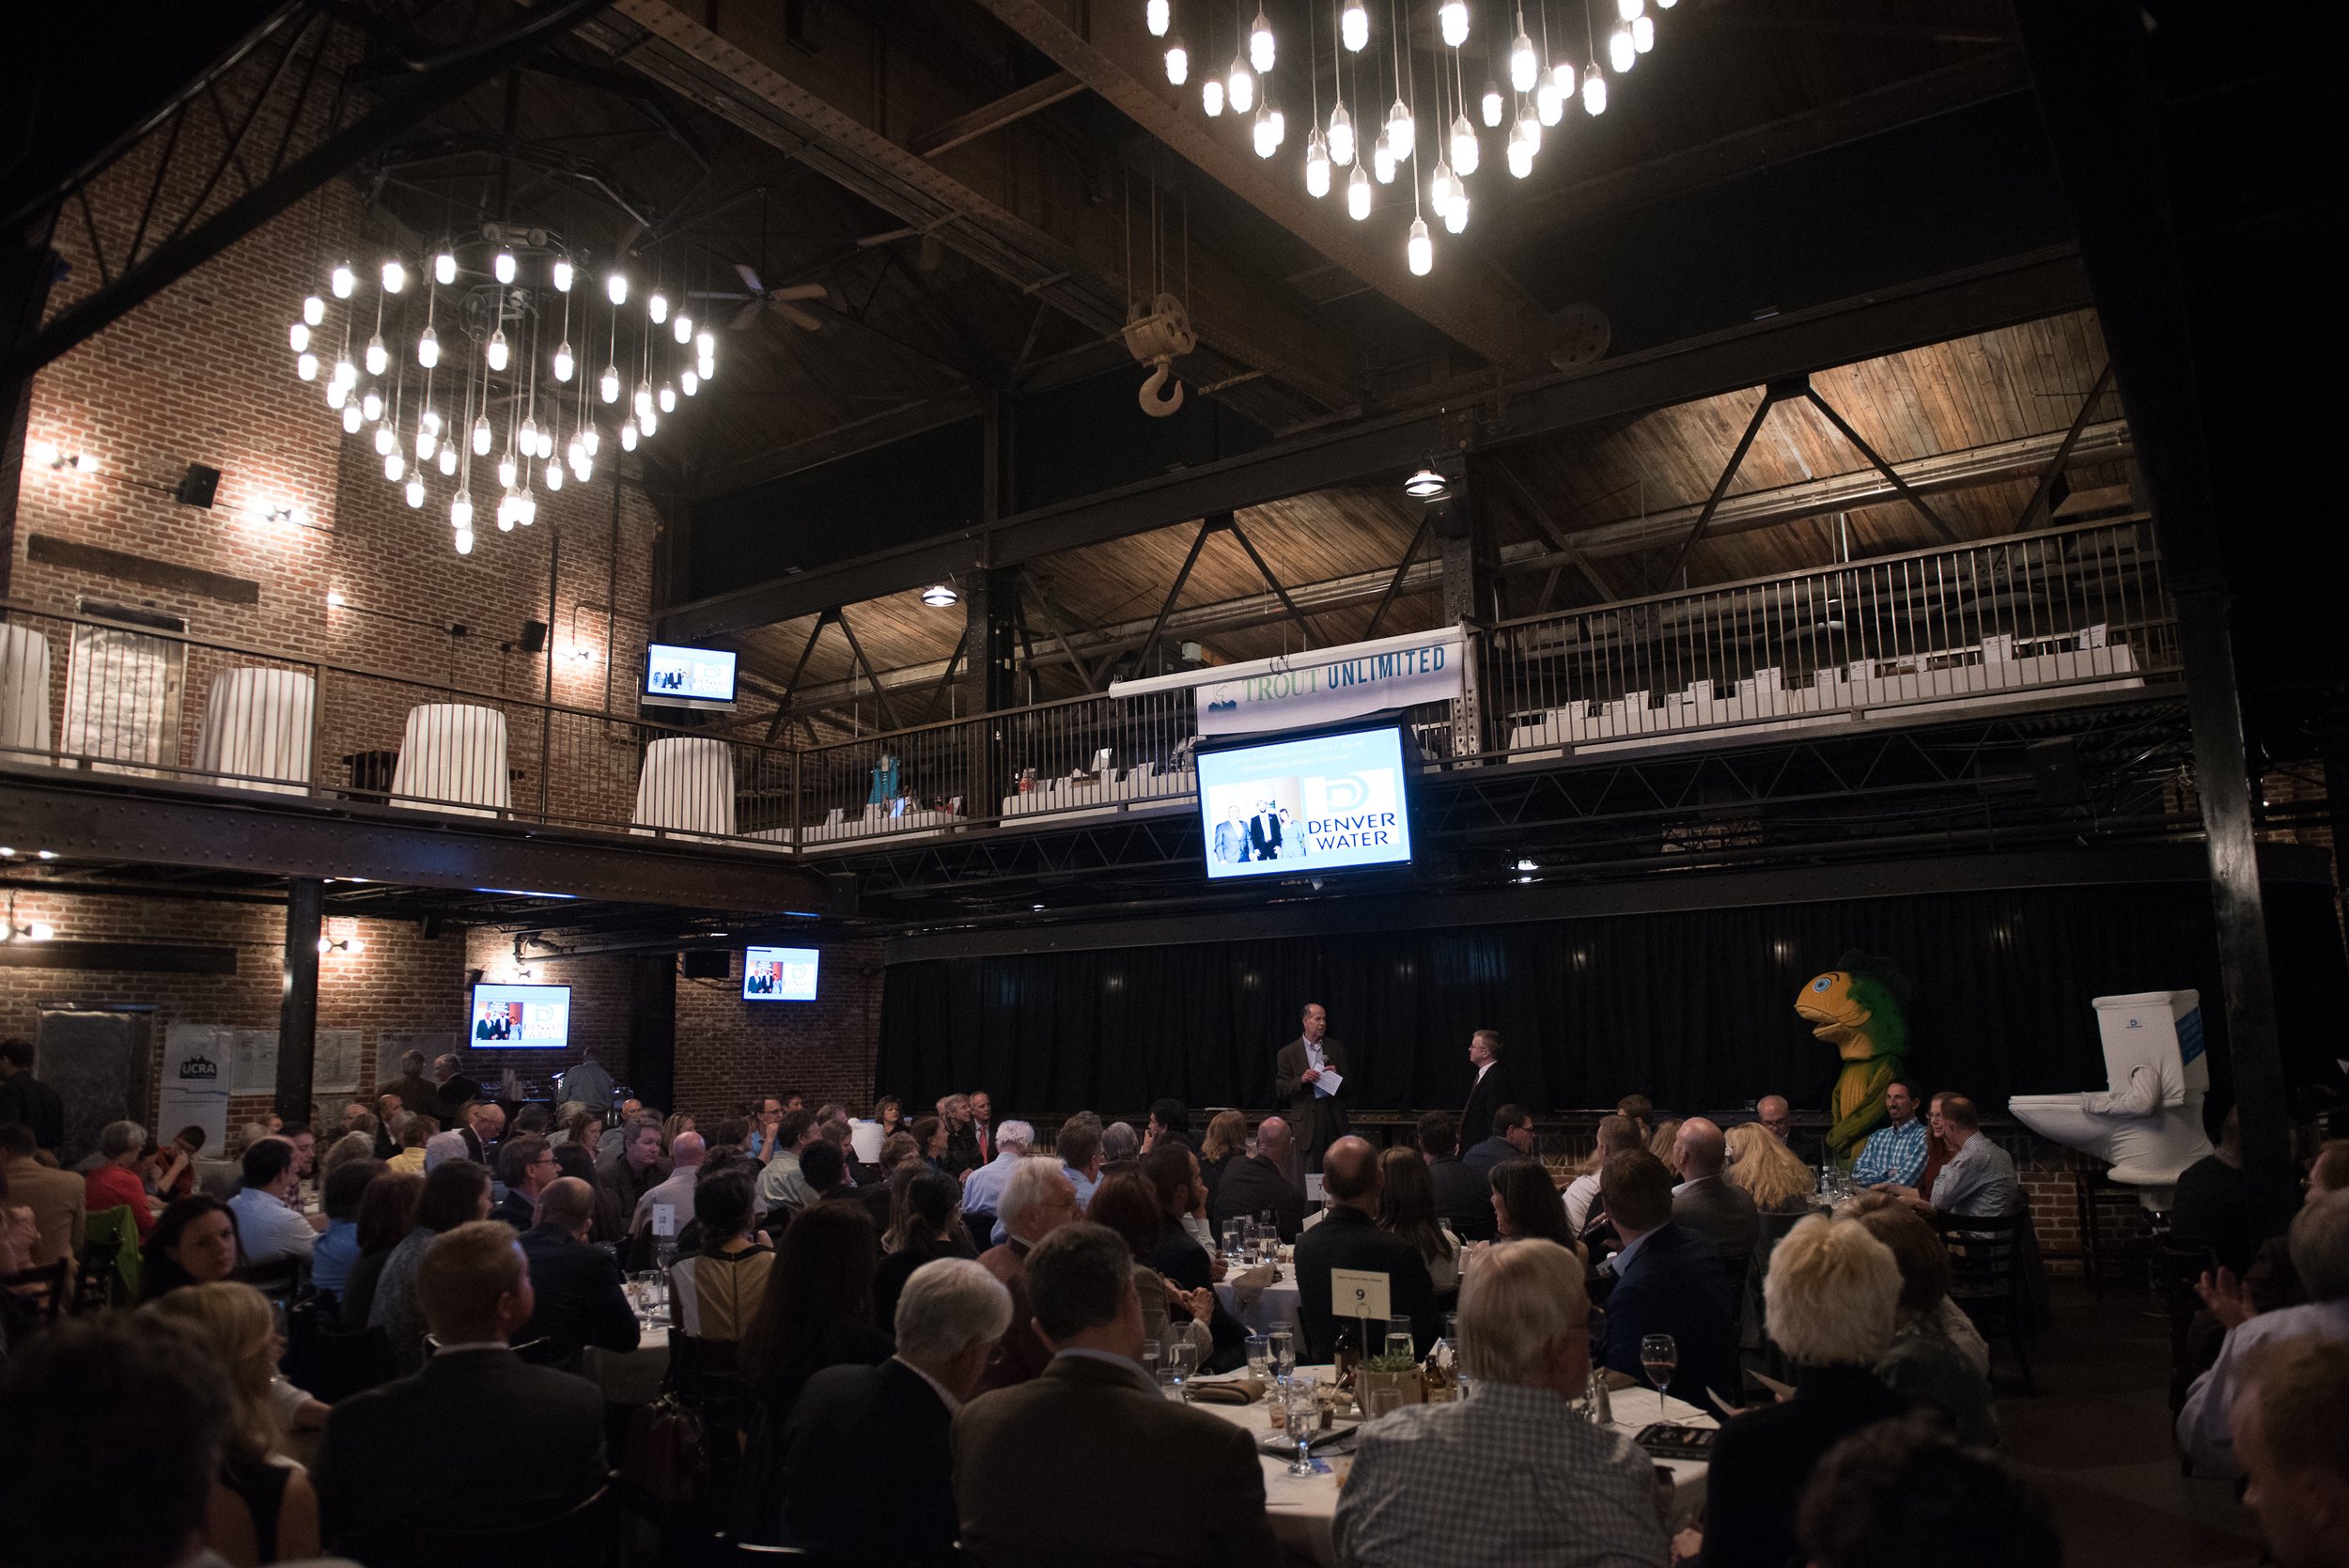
{"x": 520, "y": 1017}
{"x": 779, "y": 975}
{"x": 1302, "y": 805}
{"x": 678, "y": 676}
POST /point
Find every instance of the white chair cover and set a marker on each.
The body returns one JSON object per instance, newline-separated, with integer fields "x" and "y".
{"x": 687, "y": 785}
{"x": 256, "y": 725}
{"x": 23, "y": 697}
{"x": 453, "y": 752}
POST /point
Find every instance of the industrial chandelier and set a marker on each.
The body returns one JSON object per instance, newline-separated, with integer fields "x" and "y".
{"x": 1542, "y": 81}
{"x": 504, "y": 295}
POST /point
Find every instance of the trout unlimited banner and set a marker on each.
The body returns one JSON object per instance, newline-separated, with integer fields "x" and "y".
{"x": 1301, "y": 691}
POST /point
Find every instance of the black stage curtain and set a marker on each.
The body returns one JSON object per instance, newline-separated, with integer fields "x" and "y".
{"x": 1694, "y": 1009}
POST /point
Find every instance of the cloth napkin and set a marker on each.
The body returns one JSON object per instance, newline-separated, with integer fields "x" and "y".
{"x": 1249, "y": 1283}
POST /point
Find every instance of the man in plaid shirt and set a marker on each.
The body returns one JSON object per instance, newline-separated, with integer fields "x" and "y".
{"x": 1895, "y": 1154}
{"x": 1511, "y": 1476}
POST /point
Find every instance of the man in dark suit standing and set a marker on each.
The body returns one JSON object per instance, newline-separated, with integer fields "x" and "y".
{"x": 1254, "y": 1183}
{"x": 1348, "y": 1236}
{"x": 24, "y": 1099}
{"x": 1666, "y": 1282}
{"x": 1490, "y": 1091}
{"x": 1160, "y": 1482}
{"x": 870, "y": 1450}
{"x": 1318, "y": 1119}
{"x": 576, "y": 1286}
{"x": 1264, "y": 834}
{"x": 452, "y": 1091}
{"x": 475, "y": 1410}
{"x": 1705, "y": 1203}
{"x": 1463, "y": 1195}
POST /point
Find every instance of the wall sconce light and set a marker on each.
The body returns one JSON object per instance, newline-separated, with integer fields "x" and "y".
{"x": 280, "y": 512}
{"x": 341, "y": 935}
{"x": 32, "y": 931}
{"x": 47, "y": 454}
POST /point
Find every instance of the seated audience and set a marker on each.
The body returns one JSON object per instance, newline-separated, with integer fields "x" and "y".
{"x": 1663, "y": 1142}
{"x": 817, "y": 1311}
{"x": 1226, "y": 1141}
{"x": 674, "y": 1192}
{"x": 58, "y": 1199}
{"x": 262, "y": 1508}
{"x": 824, "y": 1166}
{"x": 2288, "y": 1435}
{"x": 1666, "y": 1282}
{"x": 1902, "y": 1491}
{"x": 415, "y": 1133}
{"x": 337, "y": 1248}
{"x": 1406, "y": 1207}
{"x": 1127, "y": 1204}
{"x": 1037, "y": 1199}
{"x": 927, "y": 1225}
{"x": 634, "y": 1166}
{"x": 611, "y": 1226}
{"x": 932, "y": 1133}
{"x": 1640, "y": 1111}
{"x": 441, "y": 1148}
{"x": 1079, "y": 1147}
{"x": 174, "y": 1173}
{"x": 1348, "y": 1236}
{"x": 2270, "y": 1281}
{"x": 1512, "y": 1139}
{"x": 1253, "y": 1183}
{"x": 1173, "y": 1173}
{"x": 1767, "y": 1171}
{"x": 673, "y": 1126}
{"x": 529, "y": 1438}
{"x": 115, "y": 1181}
{"x": 1121, "y": 1145}
{"x": 350, "y": 1146}
{"x": 1095, "y": 1400}
{"x": 2212, "y": 1210}
{"x": 983, "y": 1188}
{"x": 585, "y": 1127}
{"x": 1937, "y": 1362}
{"x": 715, "y": 1292}
{"x": 1978, "y": 1182}
{"x": 2320, "y": 1255}
{"x": 1170, "y": 1118}
{"x": 1615, "y": 1134}
{"x": 455, "y": 1193}
{"x": 387, "y": 1213}
{"x": 195, "y": 1243}
{"x": 269, "y": 1229}
{"x": 1896, "y": 1151}
{"x": 483, "y": 1129}
{"x": 576, "y": 1286}
{"x": 1526, "y": 1204}
{"x": 1511, "y": 1475}
{"x": 1707, "y": 1205}
{"x": 526, "y": 1167}
{"x": 873, "y": 1446}
{"x": 961, "y": 1153}
{"x": 1464, "y": 1198}
{"x": 1829, "y": 1303}
{"x": 781, "y": 1189}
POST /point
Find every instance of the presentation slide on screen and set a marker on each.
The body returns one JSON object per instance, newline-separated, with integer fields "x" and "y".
{"x": 533, "y": 1017}
{"x": 1291, "y": 806}
{"x": 703, "y": 673}
{"x": 779, "y": 975}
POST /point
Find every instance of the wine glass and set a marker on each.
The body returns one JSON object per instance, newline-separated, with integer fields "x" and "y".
{"x": 1660, "y": 1353}
{"x": 1305, "y": 1415}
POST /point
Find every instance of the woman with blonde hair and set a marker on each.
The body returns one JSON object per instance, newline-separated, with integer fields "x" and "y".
{"x": 1664, "y": 1143}
{"x": 1226, "y": 1141}
{"x": 1772, "y": 1174}
{"x": 1617, "y": 1134}
{"x": 680, "y": 1121}
{"x": 263, "y": 1508}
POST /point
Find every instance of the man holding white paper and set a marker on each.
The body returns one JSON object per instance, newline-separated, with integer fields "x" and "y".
{"x": 1309, "y": 1081}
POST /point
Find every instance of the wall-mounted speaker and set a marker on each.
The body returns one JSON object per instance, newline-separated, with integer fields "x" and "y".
{"x": 706, "y": 963}
{"x": 533, "y": 636}
{"x": 198, "y": 484}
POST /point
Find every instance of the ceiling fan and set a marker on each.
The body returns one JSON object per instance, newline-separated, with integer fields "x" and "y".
{"x": 759, "y": 297}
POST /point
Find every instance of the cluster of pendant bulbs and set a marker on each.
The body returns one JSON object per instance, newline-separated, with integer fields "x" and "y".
{"x": 446, "y": 423}
{"x": 1535, "y": 99}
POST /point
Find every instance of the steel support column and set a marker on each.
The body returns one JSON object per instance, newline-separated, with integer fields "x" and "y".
{"x": 1470, "y": 580}
{"x": 990, "y": 681}
{"x": 298, "y": 1010}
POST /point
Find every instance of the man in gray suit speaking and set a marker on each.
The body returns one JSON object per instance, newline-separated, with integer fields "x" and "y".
{"x": 1319, "y": 1118}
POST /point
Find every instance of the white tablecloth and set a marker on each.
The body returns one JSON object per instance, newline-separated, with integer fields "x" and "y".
{"x": 1275, "y": 1309}
{"x": 256, "y": 725}
{"x": 687, "y": 785}
{"x": 453, "y": 752}
{"x": 630, "y": 1376}
{"x": 1303, "y": 1507}
{"x": 23, "y": 697}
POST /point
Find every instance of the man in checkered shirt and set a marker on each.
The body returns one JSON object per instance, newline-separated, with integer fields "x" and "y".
{"x": 1513, "y": 1476}
{"x": 1895, "y": 1154}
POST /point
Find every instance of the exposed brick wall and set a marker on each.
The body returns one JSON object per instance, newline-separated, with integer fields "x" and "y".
{"x": 729, "y": 1049}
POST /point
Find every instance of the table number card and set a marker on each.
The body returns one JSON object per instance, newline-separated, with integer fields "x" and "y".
{"x": 1357, "y": 1293}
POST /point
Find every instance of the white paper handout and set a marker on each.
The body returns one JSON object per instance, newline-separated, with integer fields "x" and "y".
{"x": 1329, "y": 1082}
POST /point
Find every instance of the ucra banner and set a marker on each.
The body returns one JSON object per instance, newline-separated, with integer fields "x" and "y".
{"x": 1325, "y": 685}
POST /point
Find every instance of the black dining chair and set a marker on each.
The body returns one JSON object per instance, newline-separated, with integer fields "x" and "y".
{"x": 586, "y": 1535}
{"x": 1986, "y": 1280}
{"x": 41, "y": 1289}
{"x": 94, "y": 1282}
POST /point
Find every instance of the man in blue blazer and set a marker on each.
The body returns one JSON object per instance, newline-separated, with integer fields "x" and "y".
{"x": 1668, "y": 1281}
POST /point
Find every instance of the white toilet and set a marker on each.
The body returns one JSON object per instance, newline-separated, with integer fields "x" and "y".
{"x": 2148, "y": 1122}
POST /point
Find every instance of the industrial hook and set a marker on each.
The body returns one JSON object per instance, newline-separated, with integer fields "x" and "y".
{"x": 1151, "y": 404}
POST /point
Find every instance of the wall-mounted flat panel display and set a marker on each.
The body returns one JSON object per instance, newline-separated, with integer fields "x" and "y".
{"x": 1306, "y": 805}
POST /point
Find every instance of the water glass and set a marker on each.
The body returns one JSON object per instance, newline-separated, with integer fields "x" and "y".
{"x": 1182, "y": 1359}
{"x": 1382, "y": 1400}
{"x": 1169, "y": 1385}
{"x": 1283, "y": 1353}
{"x": 1399, "y": 1339}
{"x": 1260, "y": 1356}
{"x": 1235, "y": 1240}
{"x": 1150, "y": 1357}
{"x": 1305, "y": 1415}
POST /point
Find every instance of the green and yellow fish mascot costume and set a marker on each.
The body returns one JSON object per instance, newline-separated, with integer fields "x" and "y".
{"x": 1860, "y": 1008}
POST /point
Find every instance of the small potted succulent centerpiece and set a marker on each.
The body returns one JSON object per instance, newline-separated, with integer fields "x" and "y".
{"x": 1396, "y": 1370}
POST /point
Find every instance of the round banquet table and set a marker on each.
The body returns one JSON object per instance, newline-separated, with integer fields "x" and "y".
{"x": 1303, "y": 1507}
{"x": 630, "y": 1376}
{"x": 452, "y": 752}
{"x": 256, "y": 727}
{"x": 686, "y": 786}
{"x": 1275, "y": 1309}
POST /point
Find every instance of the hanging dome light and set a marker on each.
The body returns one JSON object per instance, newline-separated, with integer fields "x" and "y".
{"x": 1619, "y": 53}
{"x": 1530, "y": 130}
{"x": 591, "y": 439}
{"x": 1341, "y": 137}
{"x": 563, "y": 273}
{"x": 313, "y": 310}
{"x": 616, "y": 289}
{"x": 428, "y": 348}
{"x": 1550, "y": 104}
{"x": 666, "y": 397}
{"x": 425, "y": 442}
{"x": 343, "y": 280}
{"x": 608, "y": 385}
{"x": 1452, "y": 18}
{"x": 448, "y": 458}
{"x": 554, "y": 477}
{"x": 1177, "y": 60}
{"x": 393, "y": 466}
{"x": 461, "y": 511}
{"x": 497, "y": 350}
{"x": 1456, "y": 216}
{"x": 530, "y": 435}
{"x": 689, "y": 381}
{"x": 1260, "y": 42}
{"x": 415, "y": 490}
{"x": 650, "y": 423}
{"x": 1629, "y": 8}
{"x": 1440, "y": 186}
{"x": 1280, "y": 123}
{"x": 1402, "y": 133}
{"x": 308, "y": 368}
{"x": 1493, "y": 106}
{"x": 429, "y": 424}
{"x": 706, "y": 346}
{"x": 506, "y": 512}
{"x": 1425, "y": 484}
{"x": 345, "y": 373}
{"x": 564, "y": 362}
{"x": 1382, "y": 160}
{"x": 444, "y": 269}
{"x": 657, "y": 306}
{"x": 1354, "y": 26}
{"x": 371, "y": 406}
{"x": 1466, "y": 154}
{"x": 1358, "y": 194}
{"x": 1317, "y": 165}
{"x": 482, "y": 435}
{"x": 681, "y": 327}
{"x": 385, "y": 442}
{"x": 1239, "y": 87}
{"x": 352, "y": 420}
{"x": 299, "y": 335}
{"x": 394, "y": 276}
{"x": 379, "y": 357}
{"x": 1593, "y": 90}
{"x": 1520, "y": 151}
{"x": 938, "y": 596}
{"x": 1523, "y": 62}
{"x": 627, "y": 435}
{"x": 464, "y": 541}
{"x": 507, "y": 468}
{"x": 1211, "y": 97}
{"x": 1158, "y": 15}
{"x": 643, "y": 398}
{"x": 1421, "y": 250}
{"x": 1644, "y": 33}
{"x": 501, "y": 266}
